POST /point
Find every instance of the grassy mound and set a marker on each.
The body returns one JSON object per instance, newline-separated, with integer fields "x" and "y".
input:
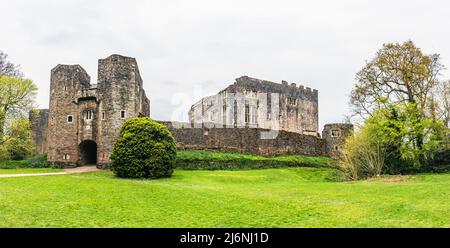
{"x": 211, "y": 160}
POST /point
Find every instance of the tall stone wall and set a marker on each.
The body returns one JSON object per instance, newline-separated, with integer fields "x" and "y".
{"x": 39, "y": 126}
{"x": 247, "y": 140}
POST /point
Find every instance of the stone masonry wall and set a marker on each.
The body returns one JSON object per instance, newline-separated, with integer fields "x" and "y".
{"x": 335, "y": 135}
{"x": 247, "y": 140}
{"x": 39, "y": 127}
{"x": 66, "y": 83}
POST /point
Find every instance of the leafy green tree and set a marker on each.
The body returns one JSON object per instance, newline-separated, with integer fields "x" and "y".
{"x": 18, "y": 142}
{"x": 404, "y": 80}
{"x": 16, "y": 99}
{"x": 144, "y": 149}
{"x": 387, "y": 142}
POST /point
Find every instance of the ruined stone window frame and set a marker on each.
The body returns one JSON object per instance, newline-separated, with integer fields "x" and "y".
{"x": 253, "y": 115}
{"x": 335, "y": 133}
{"x": 247, "y": 113}
{"x": 123, "y": 114}
{"x": 291, "y": 101}
{"x": 224, "y": 114}
{"x": 70, "y": 119}
{"x": 88, "y": 114}
{"x": 103, "y": 115}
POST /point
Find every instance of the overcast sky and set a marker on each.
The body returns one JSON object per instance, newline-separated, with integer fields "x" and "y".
{"x": 189, "y": 49}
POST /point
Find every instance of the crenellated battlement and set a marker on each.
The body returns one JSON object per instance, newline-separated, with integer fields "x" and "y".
{"x": 290, "y": 89}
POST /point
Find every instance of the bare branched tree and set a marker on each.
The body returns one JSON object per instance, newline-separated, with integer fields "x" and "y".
{"x": 441, "y": 102}
{"x": 7, "y": 68}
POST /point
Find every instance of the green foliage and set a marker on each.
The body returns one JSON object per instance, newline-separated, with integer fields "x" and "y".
{"x": 18, "y": 143}
{"x": 13, "y": 164}
{"x": 144, "y": 149}
{"x": 4, "y": 154}
{"x": 406, "y": 140}
{"x": 37, "y": 161}
{"x": 363, "y": 154}
{"x": 211, "y": 160}
{"x": 411, "y": 139}
{"x": 16, "y": 99}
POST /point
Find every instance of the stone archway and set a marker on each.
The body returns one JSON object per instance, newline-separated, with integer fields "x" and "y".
{"x": 87, "y": 151}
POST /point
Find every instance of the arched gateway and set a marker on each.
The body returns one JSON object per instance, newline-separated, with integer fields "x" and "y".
{"x": 87, "y": 152}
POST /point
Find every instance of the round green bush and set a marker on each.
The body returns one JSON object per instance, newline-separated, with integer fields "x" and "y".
{"x": 144, "y": 149}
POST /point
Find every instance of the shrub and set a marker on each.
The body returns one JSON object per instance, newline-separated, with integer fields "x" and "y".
{"x": 397, "y": 139}
{"x": 18, "y": 142}
{"x": 13, "y": 164}
{"x": 363, "y": 154}
{"x": 4, "y": 154}
{"x": 18, "y": 149}
{"x": 38, "y": 161}
{"x": 144, "y": 149}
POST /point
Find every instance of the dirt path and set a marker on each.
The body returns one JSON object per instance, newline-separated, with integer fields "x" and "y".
{"x": 82, "y": 169}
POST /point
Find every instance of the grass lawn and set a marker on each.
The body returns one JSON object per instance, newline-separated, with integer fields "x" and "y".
{"x": 28, "y": 170}
{"x": 215, "y": 160}
{"x": 287, "y": 197}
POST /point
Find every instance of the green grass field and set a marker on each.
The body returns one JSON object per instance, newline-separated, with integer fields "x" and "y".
{"x": 287, "y": 197}
{"x": 214, "y": 160}
{"x": 28, "y": 170}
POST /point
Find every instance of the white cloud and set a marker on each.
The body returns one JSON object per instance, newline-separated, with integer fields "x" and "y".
{"x": 182, "y": 46}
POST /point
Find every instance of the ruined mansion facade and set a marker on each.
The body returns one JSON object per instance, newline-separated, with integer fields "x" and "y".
{"x": 84, "y": 119}
{"x": 255, "y": 103}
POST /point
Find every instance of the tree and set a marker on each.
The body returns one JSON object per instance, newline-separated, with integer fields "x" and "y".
{"x": 144, "y": 149}
{"x": 440, "y": 106}
{"x": 7, "y": 68}
{"x": 387, "y": 142}
{"x": 16, "y": 99}
{"x": 398, "y": 73}
{"x": 19, "y": 139}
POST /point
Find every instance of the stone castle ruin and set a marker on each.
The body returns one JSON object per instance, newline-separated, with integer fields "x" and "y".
{"x": 84, "y": 119}
{"x": 255, "y": 103}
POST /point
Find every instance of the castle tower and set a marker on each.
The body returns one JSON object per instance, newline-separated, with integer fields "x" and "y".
{"x": 84, "y": 118}
{"x": 335, "y": 135}
{"x": 121, "y": 97}
{"x": 66, "y": 82}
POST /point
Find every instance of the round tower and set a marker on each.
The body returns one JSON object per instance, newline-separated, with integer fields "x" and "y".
{"x": 335, "y": 135}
